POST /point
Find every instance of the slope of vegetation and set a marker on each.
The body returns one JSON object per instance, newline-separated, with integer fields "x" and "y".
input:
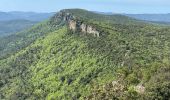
{"x": 130, "y": 61}
{"x": 15, "y": 42}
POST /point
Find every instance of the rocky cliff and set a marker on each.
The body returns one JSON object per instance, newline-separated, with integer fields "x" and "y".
{"x": 75, "y": 24}
{"x": 82, "y": 27}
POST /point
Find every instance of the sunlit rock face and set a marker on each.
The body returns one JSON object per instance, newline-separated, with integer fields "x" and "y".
{"x": 72, "y": 25}
{"x": 75, "y": 24}
{"x": 92, "y": 30}
{"x": 83, "y": 28}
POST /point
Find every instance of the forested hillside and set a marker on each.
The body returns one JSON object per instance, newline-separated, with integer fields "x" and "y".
{"x": 15, "y": 42}
{"x": 78, "y": 54}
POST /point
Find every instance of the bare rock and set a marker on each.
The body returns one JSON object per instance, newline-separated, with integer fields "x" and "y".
{"x": 140, "y": 88}
{"x": 72, "y": 25}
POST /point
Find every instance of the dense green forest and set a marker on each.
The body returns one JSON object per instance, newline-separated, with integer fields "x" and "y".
{"x": 130, "y": 60}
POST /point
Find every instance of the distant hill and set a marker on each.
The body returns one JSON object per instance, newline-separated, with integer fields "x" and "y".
{"x": 12, "y": 22}
{"x": 151, "y": 17}
{"x": 32, "y": 16}
{"x": 156, "y": 18}
{"x": 10, "y": 27}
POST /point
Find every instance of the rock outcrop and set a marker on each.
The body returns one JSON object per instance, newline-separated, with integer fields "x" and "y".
{"x": 140, "y": 88}
{"x": 76, "y": 25}
{"x": 72, "y": 25}
{"x": 84, "y": 28}
{"x": 92, "y": 30}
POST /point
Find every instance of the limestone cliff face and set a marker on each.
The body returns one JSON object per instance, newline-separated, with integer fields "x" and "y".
{"x": 76, "y": 25}
{"x": 72, "y": 25}
{"x": 92, "y": 30}
{"x": 84, "y": 28}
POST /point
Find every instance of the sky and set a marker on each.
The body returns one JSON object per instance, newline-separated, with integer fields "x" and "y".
{"x": 115, "y": 6}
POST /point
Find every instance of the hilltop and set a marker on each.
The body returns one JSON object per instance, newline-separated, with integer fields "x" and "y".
{"x": 79, "y": 54}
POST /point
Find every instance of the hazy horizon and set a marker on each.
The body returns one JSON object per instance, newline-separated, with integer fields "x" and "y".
{"x": 114, "y": 6}
{"x": 77, "y": 8}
